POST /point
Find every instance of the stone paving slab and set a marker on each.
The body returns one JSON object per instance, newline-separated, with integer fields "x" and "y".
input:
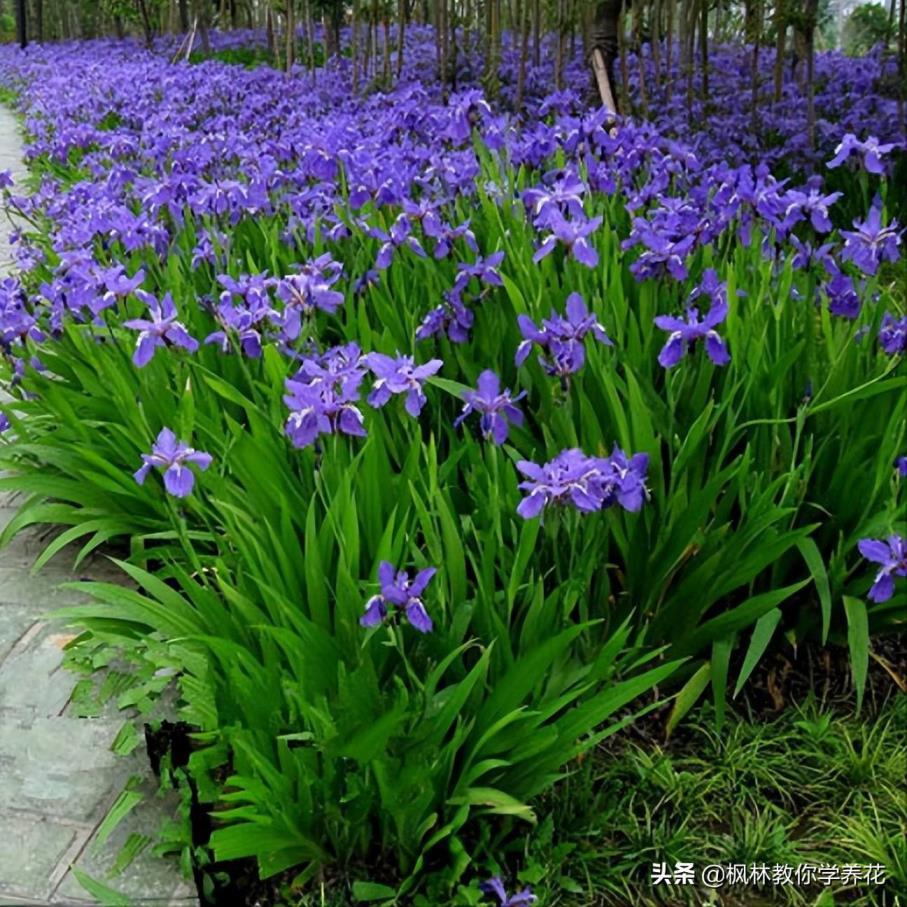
{"x": 58, "y": 776}
{"x": 141, "y": 880}
{"x": 36, "y": 845}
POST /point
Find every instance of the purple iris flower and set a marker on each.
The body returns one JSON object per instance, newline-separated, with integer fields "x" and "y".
{"x": 172, "y": 456}
{"x": 662, "y": 253}
{"x": 240, "y": 323}
{"x": 399, "y": 590}
{"x": 495, "y": 886}
{"x": 370, "y": 278}
{"x": 871, "y": 151}
{"x": 573, "y": 235}
{"x": 400, "y": 235}
{"x": 465, "y": 110}
{"x": 498, "y": 410}
{"x": 626, "y": 482}
{"x": 321, "y": 409}
{"x": 870, "y": 243}
{"x": 484, "y": 270}
{"x": 400, "y": 376}
{"x": 117, "y": 285}
{"x": 562, "y": 337}
{"x": 683, "y": 334}
{"x": 309, "y": 290}
{"x": 891, "y": 555}
{"x": 162, "y": 329}
{"x": 805, "y": 255}
{"x": 323, "y": 396}
{"x": 893, "y": 335}
{"x": 451, "y": 316}
{"x": 812, "y": 204}
{"x": 564, "y": 195}
{"x": 587, "y": 483}
{"x": 445, "y": 236}
{"x": 901, "y": 465}
{"x": 843, "y": 299}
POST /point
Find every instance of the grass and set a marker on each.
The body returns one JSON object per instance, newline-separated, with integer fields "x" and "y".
{"x": 810, "y": 786}
{"x": 814, "y": 785}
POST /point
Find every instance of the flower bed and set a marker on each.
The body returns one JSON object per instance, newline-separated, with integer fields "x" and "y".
{"x": 443, "y": 445}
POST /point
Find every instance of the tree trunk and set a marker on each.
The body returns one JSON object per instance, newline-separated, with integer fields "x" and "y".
{"x": 536, "y": 33}
{"x": 269, "y": 32}
{"x": 439, "y": 43}
{"x": 310, "y": 37}
{"x": 689, "y": 44}
{"x": 780, "y": 47}
{"x": 354, "y": 45}
{"x": 640, "y": 58}
{"x": 22, "y": 24}
{"x": 754, "y": 13}
{"x": 902, "y": 68}
{"x": 655, "y": 41}
{"x": 203, "y": 16}
{"x": 669, "y": 50}
{"x": 604, "y": 41}
{"x": 524, "y": 52}
{"x": 450, "y": 17}
{"x": 559, "y": 55}
{"x": 386, "y": 27}
{"x": 704, "y": 49}
{"x": 401, "y": 37}
{"x": 147, "y": 27}
{"x": 810, "y": 13}
{"x": 291, "y": 35}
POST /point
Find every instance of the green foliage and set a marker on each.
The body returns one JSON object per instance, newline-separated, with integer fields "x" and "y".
{"x": 810, "y": 786}
{"x": 320, "y": 746}
{"x": 867, "y": 26}
{"x": 251, "y": 57}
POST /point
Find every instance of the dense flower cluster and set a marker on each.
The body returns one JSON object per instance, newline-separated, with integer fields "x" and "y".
{"x": 561, "y": 337}
{"x": 247, "y": 232}
{"x": 586, "y": 483}
{"x": 323, "y": 397}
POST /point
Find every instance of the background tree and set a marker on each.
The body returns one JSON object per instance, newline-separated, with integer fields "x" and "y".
{"x": 604, "y": 41}
{"x": 867, "y": 26}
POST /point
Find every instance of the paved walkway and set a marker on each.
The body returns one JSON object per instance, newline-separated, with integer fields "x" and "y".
{"x": 58, "y": 776}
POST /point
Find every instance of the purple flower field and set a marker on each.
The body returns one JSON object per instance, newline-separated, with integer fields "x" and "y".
{"x": 444, "y": 436}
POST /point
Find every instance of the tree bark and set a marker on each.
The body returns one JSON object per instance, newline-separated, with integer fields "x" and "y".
{"x": 401, "y": 37}
{"x": 780, "y": 47}
{"x": 147, "y": 27}
{"x": 704, "y": 49}
{"x": 524, "y": 52}
{"x": 22, "y": 24}
{"x": 902, "y": 67}
{"x": 807, "y": 24}
{"x": 604, "y": 41}
{"x": 559, "y": 55}
{"x": 536, "y": 33}
{"x": 291, "y": 36}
